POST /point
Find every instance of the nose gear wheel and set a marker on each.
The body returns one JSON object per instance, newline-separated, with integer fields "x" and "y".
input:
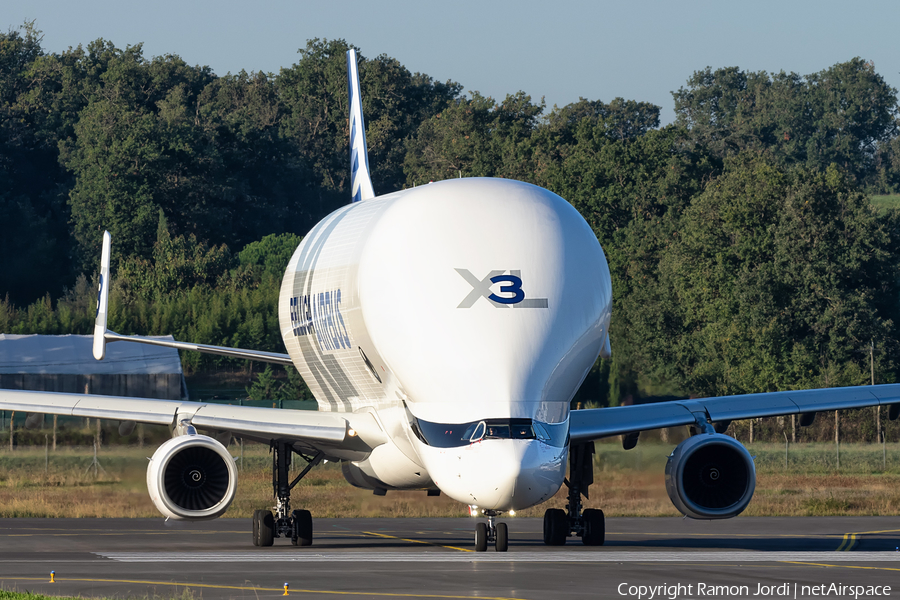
{"x": 491, "y": 533}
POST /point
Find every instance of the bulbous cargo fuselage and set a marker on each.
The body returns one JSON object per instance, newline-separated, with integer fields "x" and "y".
{"x": 464, "y": 314}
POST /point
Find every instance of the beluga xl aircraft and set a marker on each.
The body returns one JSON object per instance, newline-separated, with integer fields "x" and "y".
{"x": 443, "y": 330}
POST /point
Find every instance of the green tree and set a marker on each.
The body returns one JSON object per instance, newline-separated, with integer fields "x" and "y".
{"x": 269, "y": 257}
{"x": 115, "y": 160}
{"x": 32, "y": 183}
{"x": 475, "y": 137}
{"x": 839, "y": 115}
{"x": 622, "y": 119}
{"x": 265, "y": 386}
{"x": 780, "y": 280}
{"x": 178, "y": 264}
{"x": 395, "y": 102}
{"x": 231, "y": 176}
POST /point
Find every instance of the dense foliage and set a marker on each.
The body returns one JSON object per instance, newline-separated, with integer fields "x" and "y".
{"x": 744, "y": 253}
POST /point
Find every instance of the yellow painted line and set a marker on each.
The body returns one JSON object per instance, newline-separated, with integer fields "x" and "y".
{"x": 254, "y": 589}
{"x": 843, "y": 543}
{"x": 879, "y": 531}
{"x": 808, "y": 564}
{"x": 393, "y": 537}
{"x": 851, "y": 540}
{"x": 730, "y": 535}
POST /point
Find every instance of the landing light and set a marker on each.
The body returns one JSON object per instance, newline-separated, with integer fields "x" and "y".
{"x": 351, "y": 432}
{"x": 512, "y": 513}
{"x": 473, "y": 510}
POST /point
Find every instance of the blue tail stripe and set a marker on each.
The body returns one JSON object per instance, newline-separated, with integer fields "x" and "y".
{"x": 360, "y": 182}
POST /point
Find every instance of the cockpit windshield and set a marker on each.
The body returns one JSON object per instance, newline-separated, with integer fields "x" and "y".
{"x": 446, "y": 435}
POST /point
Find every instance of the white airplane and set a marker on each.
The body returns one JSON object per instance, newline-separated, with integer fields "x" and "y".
{"x": 443, "y": 330}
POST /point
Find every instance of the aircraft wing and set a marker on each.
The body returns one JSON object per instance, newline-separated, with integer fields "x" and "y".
{"x": 352, "y": 431}
{"x": 594, "y": 423}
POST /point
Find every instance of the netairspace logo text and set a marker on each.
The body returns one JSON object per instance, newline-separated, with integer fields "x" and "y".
{"x": 782, "y": 590}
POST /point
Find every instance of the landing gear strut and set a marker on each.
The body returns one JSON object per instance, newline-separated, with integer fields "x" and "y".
{"x": 295, "y": 524}
{"x": 588, "y": 524}
{"x": 486, "y": 533}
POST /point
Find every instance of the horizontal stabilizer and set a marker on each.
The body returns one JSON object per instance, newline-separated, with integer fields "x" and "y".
{"x": 102, "y": 335}
{"x": 258, "y": 355}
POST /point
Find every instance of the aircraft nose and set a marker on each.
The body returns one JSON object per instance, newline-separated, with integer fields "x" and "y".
{"x": 499, "y": 474}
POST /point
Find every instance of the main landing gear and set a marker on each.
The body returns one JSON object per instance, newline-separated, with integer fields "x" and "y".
{"x": 295, "y": 524}
{"x": 491, "y": 532}
{"x": 588, "y": 524}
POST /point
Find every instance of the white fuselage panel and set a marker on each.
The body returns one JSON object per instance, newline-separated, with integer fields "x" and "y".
{"x": 463, "y": 300}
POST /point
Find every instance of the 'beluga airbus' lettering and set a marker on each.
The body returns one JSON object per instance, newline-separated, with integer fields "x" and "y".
{"x": 443, "y": 330}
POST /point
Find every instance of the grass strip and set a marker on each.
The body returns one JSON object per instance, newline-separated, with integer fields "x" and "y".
{"x": 8, "y": 595}
{"x": 885, "y": 202}
{"x": 804, "y": 481}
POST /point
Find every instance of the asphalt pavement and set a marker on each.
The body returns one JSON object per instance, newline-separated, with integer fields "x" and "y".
{"x": 643, "y": 559}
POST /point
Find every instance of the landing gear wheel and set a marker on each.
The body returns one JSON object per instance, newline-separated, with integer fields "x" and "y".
{"x": 302, "y": 528}
{"x": 255, "y": 521}
{"x": 481, "y": 536}
{"x": 556, "y": 527}
{"x": 594, "y": 527}
{"x": 263, "y": 528}
{"x": 502, "y": 542}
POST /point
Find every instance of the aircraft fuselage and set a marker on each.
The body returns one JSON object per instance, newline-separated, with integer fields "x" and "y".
{"x": 464, "y": 315}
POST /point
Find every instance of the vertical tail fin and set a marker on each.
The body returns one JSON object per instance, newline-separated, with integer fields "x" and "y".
{"x": 102, "y": 300}
{"x": 360, "y": 182}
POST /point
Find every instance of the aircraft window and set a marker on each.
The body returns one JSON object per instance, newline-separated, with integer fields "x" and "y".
{"x": 443, "y": 435}
{"x": 478, "y": 432}
{"x": 498, "y": 432}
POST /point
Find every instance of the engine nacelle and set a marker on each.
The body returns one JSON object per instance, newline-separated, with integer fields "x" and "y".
{"x": 361, "y": 476}
{"x": 192, "y": 477}
{"x": 710, "y": 476}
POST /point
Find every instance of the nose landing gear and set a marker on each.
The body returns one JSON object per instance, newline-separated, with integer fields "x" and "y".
{"x": 589, "y": 524}
{"x": 491, "y": 532}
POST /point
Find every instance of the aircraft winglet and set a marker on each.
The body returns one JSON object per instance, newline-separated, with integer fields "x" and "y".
{"x": 102, "y": 300}
{"x": 360, "y": 182}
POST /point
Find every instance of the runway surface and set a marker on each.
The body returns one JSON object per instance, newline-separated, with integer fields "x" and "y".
{"x": 433, "y": 558}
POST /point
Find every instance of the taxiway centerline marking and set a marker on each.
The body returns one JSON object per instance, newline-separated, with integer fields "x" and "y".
{"x": 393, "y": 537}
{"x": 852, "y": 539}
{"x": 879, "y": 531}
{"x": 844, "y": 542}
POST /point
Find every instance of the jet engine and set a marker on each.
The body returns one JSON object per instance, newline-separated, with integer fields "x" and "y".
{"x": 192, "y": 477}
{"x": 710, "y": 476}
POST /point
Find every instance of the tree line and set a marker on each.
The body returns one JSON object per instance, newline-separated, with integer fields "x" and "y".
{"x": 744, "y": 253}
